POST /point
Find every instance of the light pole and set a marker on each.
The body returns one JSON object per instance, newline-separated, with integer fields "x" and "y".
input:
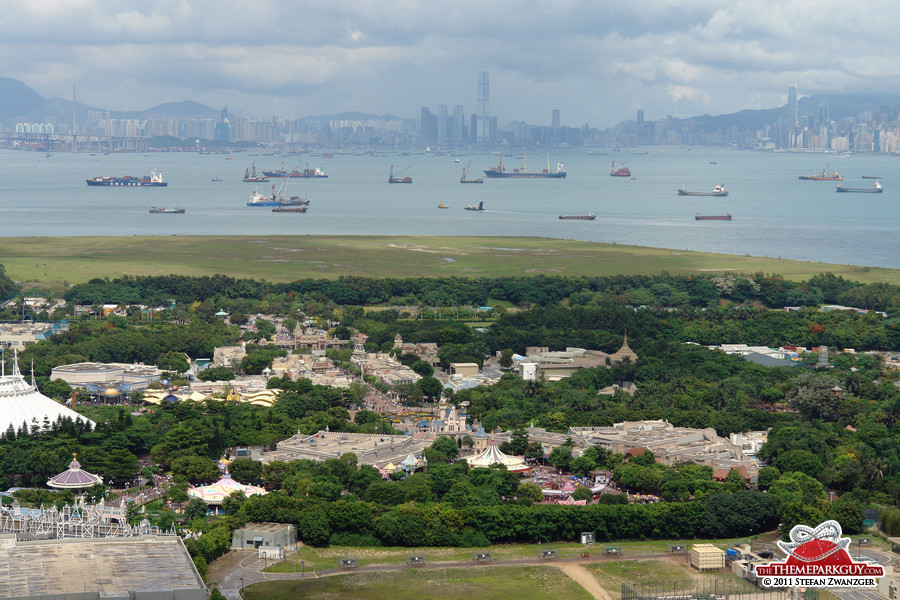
{"x": 242, "y": 587}
{"x": 301, "y": 569}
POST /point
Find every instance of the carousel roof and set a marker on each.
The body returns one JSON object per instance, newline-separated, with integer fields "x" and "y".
{"x": 493, "y": 456}
{"x": 21, "y": 402}
{"x": 74, "y": 477}
{"x": 214, "y": 493}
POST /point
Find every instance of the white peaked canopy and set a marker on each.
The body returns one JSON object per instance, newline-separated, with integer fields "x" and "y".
{"x": 21, "y": 402}
{"x": 493, "y": 456}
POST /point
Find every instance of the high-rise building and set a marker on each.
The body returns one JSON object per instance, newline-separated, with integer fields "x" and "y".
{"x": 484, "y": 97}
{"x": 473, "y": 128}
{"x": 555, "y": 122}
{"x": 640, "y": 116}
{"x": 793, "y": 107}
{"x": 443, "y": 134}
{"x": 459, "y": 122}
{"x": 429, "y": 126}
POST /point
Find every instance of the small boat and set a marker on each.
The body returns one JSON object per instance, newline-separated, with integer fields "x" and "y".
{"x": 250, "y": 175}
{"x": 166, "y": 211}
{"x": 479, "y": 208}
{"x": 718, "y": 190}
{"x": 622, "y": 171}
{"x": 216, "y": 179}
{"x": 392, "y": 179}
{"x": 290, "y": 209}
{"x": 699, "y": 217}
{"x": 821, "y": 176}
{"x": 466, "y": 170}
{"x": 442, "y": 205}
{"x": 712, "y": 162}
{"x": 876, "y": 189}
{"x": 456, "y": 160}
{"x": 871, "y": 176}
{"x": 587, "y": 217}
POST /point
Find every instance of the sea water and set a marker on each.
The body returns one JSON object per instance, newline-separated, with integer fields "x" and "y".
{"x": 774, "y": 213}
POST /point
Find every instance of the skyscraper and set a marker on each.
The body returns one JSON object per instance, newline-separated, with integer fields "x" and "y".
{"x": 443, "y": 134}
{"x": 793, "y": 107}
{"x": 459, "y": 122}
{"x": 429, "y": 126}
{"x": 484, "y": 96}
{"x": 640, "y": 116}
{"x": 555, "y": 122}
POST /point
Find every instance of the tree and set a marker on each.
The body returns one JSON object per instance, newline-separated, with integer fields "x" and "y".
{"x": 529, "y": 493}
{"x": 443, "y": 449}
{"x": 431, "y": 387}
{"x": 195, "y": 509}
{"x": 57, "y": 389}
{"x": 767, "y": 476}
{"x": 582, "y": 493}
{"x": 245, "y": 470}
{"x": 422, "y": 368}
{"x": 174, "y": 362}
{"x": 813, "y": 396}
{"x": 506, "y": 358}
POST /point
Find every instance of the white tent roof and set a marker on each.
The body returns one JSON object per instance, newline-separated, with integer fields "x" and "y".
{"x": 492, "y": 455}
{"x": 21, "y": 402}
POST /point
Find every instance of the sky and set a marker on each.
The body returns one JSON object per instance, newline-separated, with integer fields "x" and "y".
{"x": 597, "y": 61}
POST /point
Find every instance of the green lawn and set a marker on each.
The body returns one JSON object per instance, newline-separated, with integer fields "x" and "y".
{"x": 490, "y": 583}
{"x": 287, "y": 258}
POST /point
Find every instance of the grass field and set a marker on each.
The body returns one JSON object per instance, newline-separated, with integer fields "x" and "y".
{"x": 493, "y": 583}
{"x": 286, "y": 258}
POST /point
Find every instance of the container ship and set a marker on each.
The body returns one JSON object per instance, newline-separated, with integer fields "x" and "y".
{"x": 699, "y": 217}
{"x": 587, "y": 217}
{"x": 153, "y": 180}
{"x": 500, "y": 172}
{"x": 718, "y": 190}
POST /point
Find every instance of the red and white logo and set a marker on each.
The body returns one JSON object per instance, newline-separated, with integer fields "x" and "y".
{"x": 818, "y": 558}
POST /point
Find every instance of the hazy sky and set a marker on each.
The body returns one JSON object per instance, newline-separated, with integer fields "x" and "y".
{"x": 597, "y": 61}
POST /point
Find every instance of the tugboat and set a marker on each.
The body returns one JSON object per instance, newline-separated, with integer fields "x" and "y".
{"x": 155, "y": 179}
{"x": 442, "y": 205}
{"x": 479, "y": 208}
{"x": 500, "y": 172}
{"x": 166, "y": 211}
{"x": 718, "y": 190}
{"x": 392, "y": 179}
{"x": 622, "y": 171}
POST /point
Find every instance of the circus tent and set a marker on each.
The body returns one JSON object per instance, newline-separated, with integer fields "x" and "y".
{"x": 214, "y": 493}
{"x": 21, "y": 402}
{"x": 493, "y": 456}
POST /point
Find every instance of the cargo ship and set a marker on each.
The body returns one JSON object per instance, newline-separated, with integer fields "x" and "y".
{"x": 153, "y": 180}
{"x": 479, "y": 208}
{"x": 699, "y": 217}
{"x": 250, "y": 175}
{"x": 876, "y": 189}
{"x": 315, "y": 172}
{"x": 290, "y": 209}
{"x": 821, "y": 176}
{"x": 466, "y": 170}
{"x": 622, "y": 171}
{"x": 587, "y": 217}
{"x": 718, "y": 190}
{"x": 257, "y": 199}
{"x": 392, "y": 179}
{"x": 166, "y": 211}
{"x": 500, "y": 171}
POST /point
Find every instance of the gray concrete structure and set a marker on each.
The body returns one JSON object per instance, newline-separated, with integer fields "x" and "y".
{"x": 144, "y": 568}
{"x": 264, "y": 535}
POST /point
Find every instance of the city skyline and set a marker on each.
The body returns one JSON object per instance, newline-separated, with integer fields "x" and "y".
{"x": 596, "y": 64}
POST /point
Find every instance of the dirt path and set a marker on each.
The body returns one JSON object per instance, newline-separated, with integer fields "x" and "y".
{"x": 585, "y": 579}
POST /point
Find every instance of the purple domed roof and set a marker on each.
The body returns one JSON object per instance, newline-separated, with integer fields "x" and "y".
{"x": 74, "y": 478}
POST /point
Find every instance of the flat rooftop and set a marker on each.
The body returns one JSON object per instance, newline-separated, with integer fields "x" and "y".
{"x": 108, "y": 566}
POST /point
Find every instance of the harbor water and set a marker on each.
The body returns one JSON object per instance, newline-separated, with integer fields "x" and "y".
{"x": 774, "y": 213}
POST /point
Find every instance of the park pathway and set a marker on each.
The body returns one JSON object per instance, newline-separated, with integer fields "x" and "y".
{"x": 585, "y": 579}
